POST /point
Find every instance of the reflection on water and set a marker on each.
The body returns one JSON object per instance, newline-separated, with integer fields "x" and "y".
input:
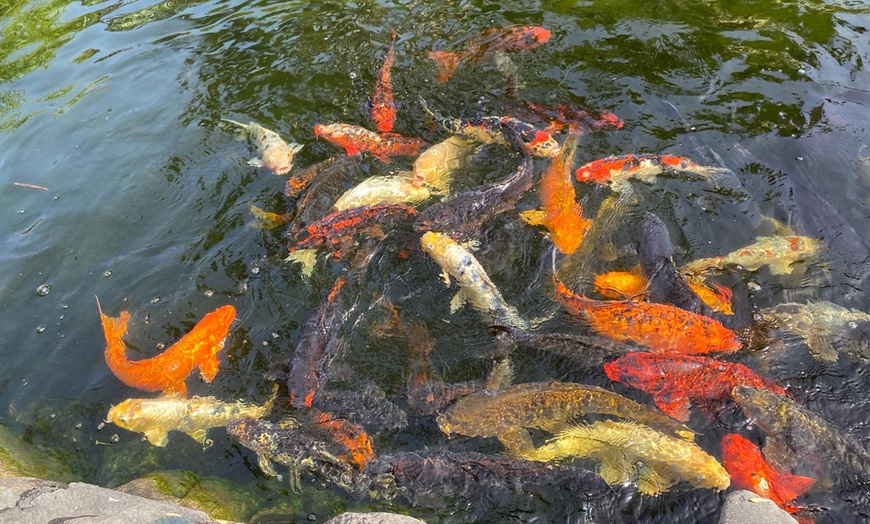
{"x": 116, "y": 108}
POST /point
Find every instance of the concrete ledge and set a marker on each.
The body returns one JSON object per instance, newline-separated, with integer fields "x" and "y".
{"x": 745, "y": 507}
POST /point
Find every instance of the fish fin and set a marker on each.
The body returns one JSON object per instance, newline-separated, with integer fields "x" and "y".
{"x": 198, "y": 435}
{"x": 295, "y": 148}
{"x": 676, "y": 408}
{"x": 615, "y": 468}
{"x": 157, "y": 436}
{"x": 446, "y": 62}
{"x": 517, "y": 441}
{"x": 789, "y": 487}
{"x": 352, "y": 150}
{"x": 777, "y": 453}
{"x": 821, "y": 347}
{"x": 534, "y": 217}
{"x": 500, "y": 376}
{"x": 458, "y": 300}
{"x": 256, "y": 162}
{"x": 209, "y": 368}
{"x": 243, "y": 126}
{"x": 445, "y": 277}
{"x": 266, "y": 466}
{"x": 176, "y": 390}
{"x": 306, "y": 257}
{"x": 780, "y": 267}
{"x": 651, "y": 482}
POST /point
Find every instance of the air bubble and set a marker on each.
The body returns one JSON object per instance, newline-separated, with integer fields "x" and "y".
{"x": 40, "y": 328}
{"x": 208, "y": 293}
{"x": 107, "y": 273}
{"x": 43, "y": 290}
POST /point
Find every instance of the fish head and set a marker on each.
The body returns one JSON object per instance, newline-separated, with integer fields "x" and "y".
{"x": 640, "y": 370}
{"x": 278, "y": 159}
{"x": 536, "y": 35}
{"x": 713, "y": 476}
{"x": 739, "y": 456}
{"x": 443, "y": 424}
{"x": 759, "y": 405}
{"x": 127, "y": 414}
{"x": 433, "y": 243}
{"x": 544, "y": 145}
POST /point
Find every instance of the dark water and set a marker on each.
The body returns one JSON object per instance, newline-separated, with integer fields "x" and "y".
{"x": 116, "y": 107}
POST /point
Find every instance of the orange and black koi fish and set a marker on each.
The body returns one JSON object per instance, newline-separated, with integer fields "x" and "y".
{"x": 491, "y": 130}
{"x": 337, "y": 229}
{"x": 297, "y": 183}
{"x": 356, "y": 140}
{"x": 315, "y": 347}
{"x": 326, "y": 186}
{"x": 507, "y": 39}
{"x": 660, "y": 327}
{"x": 745, "y": 463}
{"x": 578, "y": 121}
{"x": 167, "y": 371}
{"x": 638, "y": 167}
{"x": 349, "y": 435}
{"x": 675, "y": 380}
{"x": 383, "y": 111}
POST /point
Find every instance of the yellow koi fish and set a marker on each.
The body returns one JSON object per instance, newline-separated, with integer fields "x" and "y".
{"x": 823, "y": 325}
{"x": 156, "y": 417}
{"x": 777, "y": 252}
{"x": 381, "y": 190}
{"x": 277, "y": 155}
{"x": 476, "y": 287}
{"x": 620, "y": 446}
{"x": 435, "y": 166}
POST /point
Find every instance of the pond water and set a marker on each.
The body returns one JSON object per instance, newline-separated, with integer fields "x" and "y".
{"x": 116, "y": 107}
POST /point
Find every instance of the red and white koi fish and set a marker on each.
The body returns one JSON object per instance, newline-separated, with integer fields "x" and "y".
{"x": 356, "y": 140}
{"x": 639, "y": 167}
{"x": 277, "y": 155}
{"x": 383, "y": 111}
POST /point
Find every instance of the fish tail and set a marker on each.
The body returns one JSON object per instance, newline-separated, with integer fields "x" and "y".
{"x": 114, "y": 328}
{"x": 269, "y": 404}
{"x": 446, "y": 62}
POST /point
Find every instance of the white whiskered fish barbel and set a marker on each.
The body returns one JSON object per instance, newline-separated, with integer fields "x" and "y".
{"x": 277, "y": 155}
{"x": 475, "y": 285}
{"x": 156, "y": 417}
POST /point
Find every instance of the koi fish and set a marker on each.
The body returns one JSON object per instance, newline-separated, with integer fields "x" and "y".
{"x": 675, "y": 380}
{"x": 356, "y": 140}
{"x": 267, "y": 219}
{"x": 337, "y": 230}
{"x": 381, "y": 190}
{"x": 586, "y": 351}
{"x": 277, "y": 155}
{"x": 749, "y": 470}
{"x": 464, "y": 214}
{"x": 314, "y": 349}
{"x": 349, "y": 435}
{"x": 435, "y": 166}
{"x": 639, "y": 167}
{"x": 383, "y": 111}
{"x": 544, "y": 405}
{"x": 491, "y": 130}
{"x": 805, "y": 438}
{"x": 156, "y": 417}
{"x": 619, "y": 446}
{"x": 297, "y": 183}
{"x": 778, "y": 253}
{"x": 506, "y": 39}
{"x": 289, "y": 445}
{"x": 577, "y": 121}
{"x": 660, "y": 327}
{"x": 167, "y": 371}
{"x": 824, "y": 326}
{"x": 562, "y": 214}
{"x": 475, "y": 285}
{"x": 324, "y": 189}
{"x": 630, "y": 284}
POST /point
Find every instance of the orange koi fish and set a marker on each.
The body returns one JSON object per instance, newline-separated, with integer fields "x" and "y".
{"x": 383, "y": 111}
{"x": 629, "y": 284}
{"x": 638, "y": 167}
{"x": 344, "y": 432}
{"x": 563, "y": 216}
{"x": 749, "y": 470}
{"x": 167, "y": 371}
{"x": 356, "y": 140}
{"x": 660, "y": 327}
{"x": 506, "y": 39}
{"x": 277, "y": 155}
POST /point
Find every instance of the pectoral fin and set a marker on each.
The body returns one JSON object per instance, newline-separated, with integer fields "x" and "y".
{"x": 157, "y": 436}
{"x": 266, "y": 466}
{"x": 517, "y": 441}
{"x": 780, "y": 267}
{"x": 615, "y": 468}
{"x": 458, "y": 300}
{"x": 676, "y": 407}
{"x": 208, "y": 368}
{"x": 198, "y": 435}
{"x": 651, "y": 482}
{"x": 534, "y": 217}
{"x": 256, "y": 162}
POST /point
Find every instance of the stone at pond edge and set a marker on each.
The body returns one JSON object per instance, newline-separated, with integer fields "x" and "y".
{"x": 745, "y": 507}
{"x": 30, "y": 500}
{"x": 219, "y": 498}
{"x": 373, "y": 518}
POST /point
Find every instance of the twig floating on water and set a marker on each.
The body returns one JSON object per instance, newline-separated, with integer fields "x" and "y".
{"x": 31, "y": 186}
{"x": 29, "y": 229}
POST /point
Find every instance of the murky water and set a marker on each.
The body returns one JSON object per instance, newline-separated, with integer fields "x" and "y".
{"x": 115, "y": 108}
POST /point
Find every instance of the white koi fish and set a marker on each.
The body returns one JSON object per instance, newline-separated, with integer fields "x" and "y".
{"x": 277, "y": 155}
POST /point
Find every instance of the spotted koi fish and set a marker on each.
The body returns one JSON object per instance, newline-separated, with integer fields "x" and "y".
{"x": 639, "y": 167}
{"x": 577, "y": 121}
{"x": 490, "y": 130}
{"x": 338, "y": 229}
{"x": 779, "y": 253}
{"x": 660, "y": 327}
{"x": 383, "y": 111}
{"x": 356, "y": 140}
{"x": 675, "y": 380}
{"x": 276, "y": 154}
{"x": 504, "y": 39}
{"x": 167, "y": 371}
